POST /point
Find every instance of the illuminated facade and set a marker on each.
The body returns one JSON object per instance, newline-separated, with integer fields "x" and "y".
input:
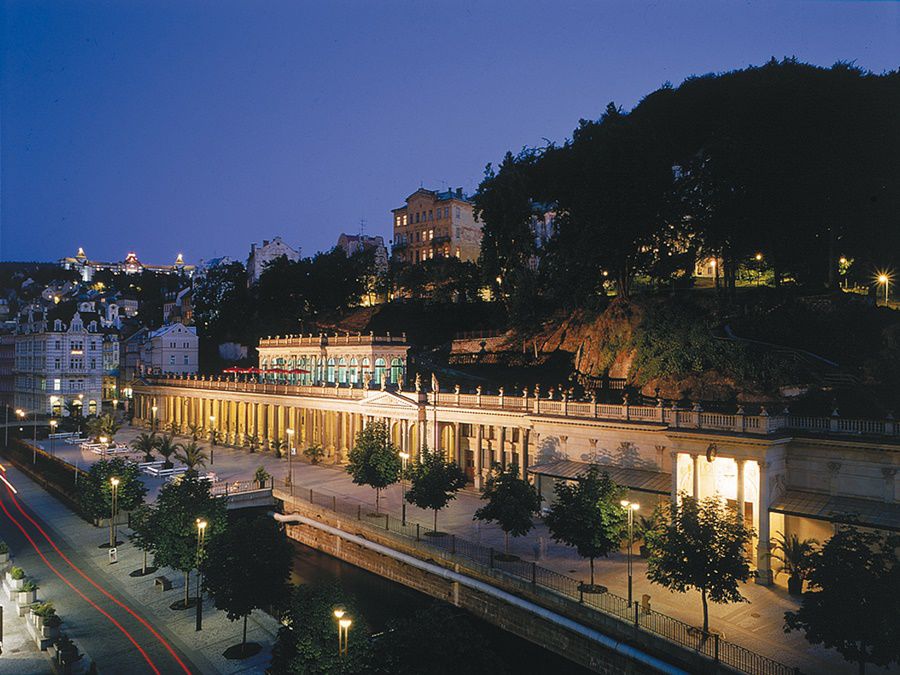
{"x": 436, "y": 225}
{"x": 131, "y": 265}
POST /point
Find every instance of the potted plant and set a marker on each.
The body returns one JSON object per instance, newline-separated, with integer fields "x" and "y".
{"x": 16, "y": 578}
{"x": 261, "y": 477}
{"x": 643, "y": 526}
{"x": 45, "y": 618}
{"x": 26, "y": 594}
{"x": 314, "y": 453}
{"x": 4, "y": 552}
{"x": 795, "y": 557}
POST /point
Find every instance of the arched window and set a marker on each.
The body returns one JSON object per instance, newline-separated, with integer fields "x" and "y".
{"x": 92, "y": 407}
{"x": 379, "y": 370}
{"x": 366, "y": 368}
{"x": 342, "y": 370}
{"x": 354, "y": 371}
{"x": 396, "y": 370}
{"x": 329, "y": 372}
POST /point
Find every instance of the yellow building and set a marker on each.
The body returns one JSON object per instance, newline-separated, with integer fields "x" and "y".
{"x": 436, "y": 224}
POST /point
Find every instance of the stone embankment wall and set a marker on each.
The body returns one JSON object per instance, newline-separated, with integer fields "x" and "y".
{"x": 520, "y": 621}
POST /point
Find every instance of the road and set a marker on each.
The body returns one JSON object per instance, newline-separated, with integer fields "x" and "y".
{"x": 95, "y": 613}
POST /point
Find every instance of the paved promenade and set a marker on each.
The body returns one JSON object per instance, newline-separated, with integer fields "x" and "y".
{"x": 95, "y": 634}
{"x": 756, "y": 625}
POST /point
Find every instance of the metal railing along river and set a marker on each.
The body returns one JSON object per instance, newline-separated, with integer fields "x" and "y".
{"x": 487, "y": 561}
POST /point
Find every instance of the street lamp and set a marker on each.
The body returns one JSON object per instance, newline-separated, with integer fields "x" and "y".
{"x": 343, "y": 631}
{"x": 758, "y": 257}
{"x": 53, "y": 424}
{"x": 290, "y": 451}
{"x": 884, "y": 279}
{"x": 112, "y": 516}
{"x": 404, "y": 457}
{"x": 115, "y": 403}
{"x": 201, "y": 536}
{"x": 630, "y": 507}
{"x": 153, "y": 409}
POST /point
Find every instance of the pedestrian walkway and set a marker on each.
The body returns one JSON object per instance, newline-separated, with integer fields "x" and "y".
{"x": 93, "y": 632}
{"x": 20, "y": 655}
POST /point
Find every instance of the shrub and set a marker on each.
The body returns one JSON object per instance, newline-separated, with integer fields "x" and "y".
{"x": 43, "y": 609}
{"x": 29, "y": 586}
{"x": 4, "y": 547}
{"x": 17, "y": 573}
{"x": 261, "y": 476}
{"x": 314, "y": 453}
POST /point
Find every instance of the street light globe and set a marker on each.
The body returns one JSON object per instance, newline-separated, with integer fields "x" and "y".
{"x": 625, "y": 503}
{"x": 53, "y": 423}
{"x": 103, "y": 439}
{"x": 114, "y": 481}
{"x": 759, "y": 257}
{"x": 882, "y": 278}
{"x": 338, "y": 613}
{"x": 634, "y": 506}
{"x": 404, "y": 455}
{"x": 345, "y": 623}
{"x": 201, "y": 525}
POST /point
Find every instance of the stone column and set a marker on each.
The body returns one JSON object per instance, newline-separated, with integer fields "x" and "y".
{"x": 479, "y": 455}
{"x": 457, "y": 445}
{"x": 763, "y": 564}
{"x": 523, "y": 453}
{"x": 674, "y": 496}
{"x": 503, "y": 447}
{"x": 740, "y": 487}
{"x": 696, "y": 489}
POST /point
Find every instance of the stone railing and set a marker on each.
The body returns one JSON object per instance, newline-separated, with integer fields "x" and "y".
{"x": 334, "y": 339}
{"x": 670, "y": 416}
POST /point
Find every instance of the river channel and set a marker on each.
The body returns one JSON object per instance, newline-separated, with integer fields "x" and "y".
{"x": 380, "y": 600}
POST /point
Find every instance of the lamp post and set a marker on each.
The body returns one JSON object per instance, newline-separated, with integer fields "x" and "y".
{"x": 343, "y": 632}
{"x": 759, "y": 257}
{"x": 201, "y": 536}
{"x": 290, "y": 451}
{"x": 112, "y": 516}
{"x": 885, "y": 281}
{"x": 630, "y": 507}
{"x": 212, "y": 438}
{"x": 404, "y": 457}
{"x": 153, "y": 409}
{"x": 53, "y": 424}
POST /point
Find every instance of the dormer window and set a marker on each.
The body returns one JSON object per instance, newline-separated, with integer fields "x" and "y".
{"x": 57, "y": 325}
{"x": 92, "y": 327}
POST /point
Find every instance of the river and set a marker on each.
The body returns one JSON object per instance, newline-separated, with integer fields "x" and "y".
{"x": 380, "y": 600}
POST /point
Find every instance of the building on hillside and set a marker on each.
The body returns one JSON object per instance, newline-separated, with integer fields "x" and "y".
{"x": 434, "y": 225}
{"x": 58, "y": 360}
{"x": 174, "y": 348}
{"x": 334, "y": 359}
{"x": 705, "y": 267}
{"x": 271, "y": 250}
{"x": 356, "y": 243}
{"x": 7, "y": 369}
{"x": 86, "y": 268}
{"x": 179, "y": 307}
{"x": 205, "y": 266}
{"x": 110, "y": 366}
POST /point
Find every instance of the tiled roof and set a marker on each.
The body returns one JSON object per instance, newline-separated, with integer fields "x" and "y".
{"x": 643, "y": 480}
{"x": 836, "y": 509}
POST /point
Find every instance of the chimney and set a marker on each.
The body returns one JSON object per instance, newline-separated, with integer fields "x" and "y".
{"x": 459, "y": 193}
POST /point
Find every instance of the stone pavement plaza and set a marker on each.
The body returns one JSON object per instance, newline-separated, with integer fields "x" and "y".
{"x": 756, "y": 625}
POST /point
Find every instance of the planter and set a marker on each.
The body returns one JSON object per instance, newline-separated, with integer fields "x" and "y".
{"x": 14, "y": 584}
{"x": 4, "y": 558}
{"x": 795, "y": 586}
{"x": 51, "y": 631}
{"x": 25, "y": 597}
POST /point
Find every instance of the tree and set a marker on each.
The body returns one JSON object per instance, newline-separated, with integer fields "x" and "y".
{"x": 146, "y": 443}
{"x": 306, "y": 639}
{"x": 141, "y": 536}
{"x": 511, "y": 502}
{"x": 588, "y": 515}
{"x": 434, "y": 482}
{"x": 95, "y": 488}
{"x": 172, "y": 525}
{"x": 702, "y": 547}
{"x": 247, "y": 568}
{"x": 191, "y": 455}
{"x": 166, "y": 447}
{"x": 374, "y": 461}
{"x": 851, "y": 604}
{"x": 102, "y": 426}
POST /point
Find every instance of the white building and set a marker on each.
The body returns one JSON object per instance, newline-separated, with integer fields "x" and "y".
{"x": 173, "y": 348}
{"x": 58, "y": 360}
{"x": 260, "y": 256}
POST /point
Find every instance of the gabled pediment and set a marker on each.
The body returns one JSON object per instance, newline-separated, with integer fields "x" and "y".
{"x": 388, "y": 399}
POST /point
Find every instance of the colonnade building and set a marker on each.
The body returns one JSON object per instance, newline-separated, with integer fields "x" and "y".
{"x": 798, "y": 475}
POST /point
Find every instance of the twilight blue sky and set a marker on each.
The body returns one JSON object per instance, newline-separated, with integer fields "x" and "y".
{"x": 178, "y": 125}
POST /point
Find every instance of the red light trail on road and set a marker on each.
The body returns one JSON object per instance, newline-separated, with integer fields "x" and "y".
{"x": 121, "y": 628}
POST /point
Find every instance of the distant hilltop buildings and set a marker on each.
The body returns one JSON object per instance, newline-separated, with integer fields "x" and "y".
{"x": 436, "y": 225}
{"x": 271, "y": 250}
{"x": 86, "y": 268}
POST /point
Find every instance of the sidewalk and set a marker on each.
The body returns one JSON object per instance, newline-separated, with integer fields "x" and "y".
{"x": 20, "y": 655}
{"x": 98, "y": 638}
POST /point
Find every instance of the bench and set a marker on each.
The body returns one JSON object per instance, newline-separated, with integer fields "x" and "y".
{"x": 163, "y": 583}
{"x": 158, "y": 471}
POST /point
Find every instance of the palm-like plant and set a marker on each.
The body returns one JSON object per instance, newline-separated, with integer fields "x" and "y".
{"x": 174, "y": 428}
{"x": 252, "y": 441}
{"x": 277, "y": 446}
{"x": 795, "y": 556}
{"x": 195, "y": 430}
{"x": 146, "y": 443}
{"x": 166, "y": 447}
{"x": 191, "y": 455}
